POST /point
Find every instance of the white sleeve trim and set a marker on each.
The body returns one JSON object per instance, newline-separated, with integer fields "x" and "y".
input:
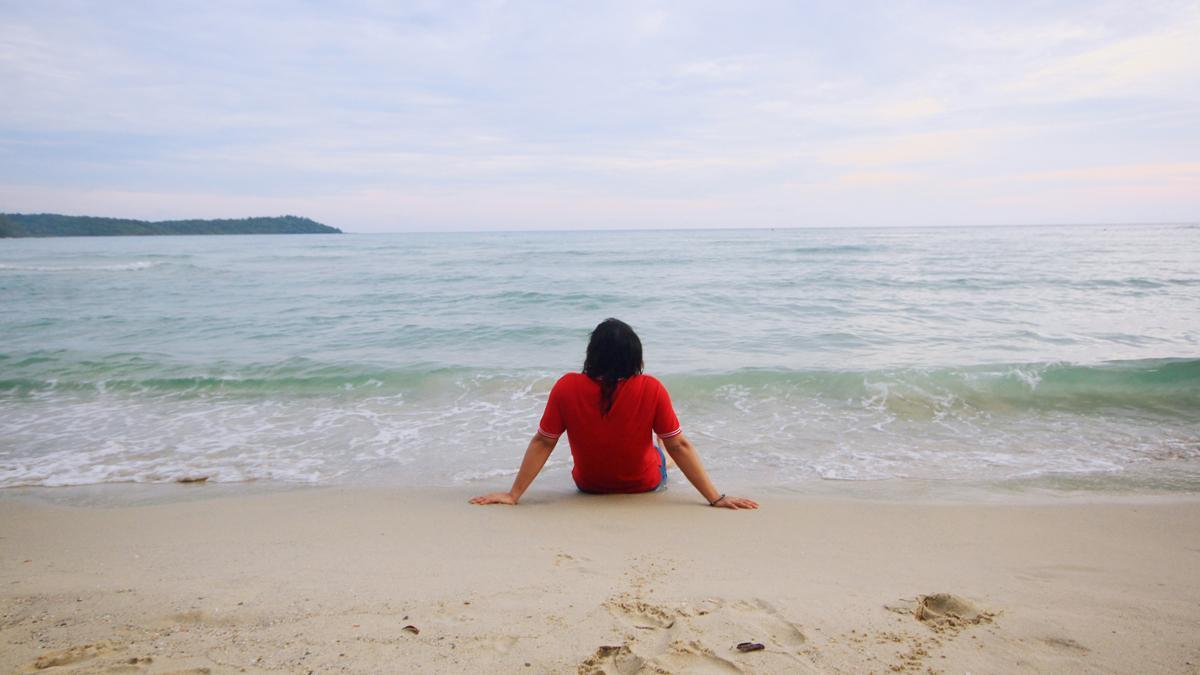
{"x": 547, "y": 434}
{"x": 678, "y": 430}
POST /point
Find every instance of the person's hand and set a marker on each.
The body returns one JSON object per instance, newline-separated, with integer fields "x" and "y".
{"x": 735, "y": 503}
{"x": 496, "y": 498}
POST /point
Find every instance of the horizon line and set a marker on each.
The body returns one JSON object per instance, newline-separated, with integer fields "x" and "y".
{"x": 760, "y": 228}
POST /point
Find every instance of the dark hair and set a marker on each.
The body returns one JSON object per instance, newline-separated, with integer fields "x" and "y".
{"x": 614, "y": 353}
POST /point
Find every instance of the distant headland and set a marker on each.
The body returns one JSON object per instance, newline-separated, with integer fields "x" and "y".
{"x": 55, "y": 225}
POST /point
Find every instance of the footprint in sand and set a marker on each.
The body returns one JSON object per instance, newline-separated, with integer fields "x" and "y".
{"x": 678, "y": 657}
{"x": 692, "y": 657}
{"x": 136, "y": 664}
{"x": 196, "y": 617}
{"x": 741, "y": 621}
{"x": 943, "y": 612}
{"x": 611, "y": 660}
{"x": 574, "y": 563}
{"x": 748, "y": 620}
{"x": 65, "y": 657}
{"x": 641, "y": 614}
{"x": 951, "y": 611}
{"x": 703, "y": 637}
{"x": 565, "y": 560}
{"x": 504, "y": 643}
{"x": 647, "y": 572}
{"x": 1065, "y": 644}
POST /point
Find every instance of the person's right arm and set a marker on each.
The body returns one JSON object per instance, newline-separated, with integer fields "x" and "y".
{"x": 536, "y": 454}
{"x": 688, "y": 461}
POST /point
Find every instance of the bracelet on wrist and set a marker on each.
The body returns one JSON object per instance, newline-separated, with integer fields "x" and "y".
{"x": 714, "y": 502}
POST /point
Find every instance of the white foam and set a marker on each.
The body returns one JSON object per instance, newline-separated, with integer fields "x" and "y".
{"x": 1032, "y": 378}
{"x": 120, "y": 267}
{"x": 477, "y": 433}
{"x": 472, "y": 476}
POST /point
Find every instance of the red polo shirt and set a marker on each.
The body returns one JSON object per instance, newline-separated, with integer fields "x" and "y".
{"x": 614, "y": 453}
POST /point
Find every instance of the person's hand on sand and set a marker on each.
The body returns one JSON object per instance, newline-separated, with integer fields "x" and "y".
{"x": 735, "y": 503}
{"x": 496, "y": 498}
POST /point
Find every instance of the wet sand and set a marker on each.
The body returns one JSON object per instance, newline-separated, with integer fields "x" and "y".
{"x": 326, "y": 580}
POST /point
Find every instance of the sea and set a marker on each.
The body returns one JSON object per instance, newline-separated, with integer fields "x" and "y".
{"x": 1012, "y": 360}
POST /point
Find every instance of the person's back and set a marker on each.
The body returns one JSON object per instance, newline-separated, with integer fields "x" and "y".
{"x": 613, "y": 452}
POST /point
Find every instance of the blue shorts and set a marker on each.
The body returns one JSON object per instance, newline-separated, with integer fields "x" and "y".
{"x": 662, "y": 467}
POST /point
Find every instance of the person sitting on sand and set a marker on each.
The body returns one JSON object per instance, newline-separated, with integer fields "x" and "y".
{"x": 611, "y": 410}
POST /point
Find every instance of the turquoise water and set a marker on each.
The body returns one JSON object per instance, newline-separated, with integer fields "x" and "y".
{"x": 1060, "y": 357}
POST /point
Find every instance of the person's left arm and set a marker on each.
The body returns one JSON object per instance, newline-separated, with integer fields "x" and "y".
{"x": 540, "y": 447}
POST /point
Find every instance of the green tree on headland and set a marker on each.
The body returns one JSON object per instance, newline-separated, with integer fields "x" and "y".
{"x": 7, "y": 229}
{"x": 55, "y": 225}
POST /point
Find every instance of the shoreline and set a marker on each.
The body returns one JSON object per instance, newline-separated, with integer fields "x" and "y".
{"x": 558, "y": 485}
{"x": 326, "y": 579}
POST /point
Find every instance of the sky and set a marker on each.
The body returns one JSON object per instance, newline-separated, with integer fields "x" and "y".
{"x": 392, "y": 116}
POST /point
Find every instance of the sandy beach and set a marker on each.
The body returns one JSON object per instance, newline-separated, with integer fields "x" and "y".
{"x": 367, "y": 580}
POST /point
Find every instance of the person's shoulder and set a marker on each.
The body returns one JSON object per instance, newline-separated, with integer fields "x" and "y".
{"x": 651, "y": 382}
{"x": 570, "y": 380}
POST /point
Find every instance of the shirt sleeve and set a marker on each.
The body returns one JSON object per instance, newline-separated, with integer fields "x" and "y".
{"x": 552, "y": 424}
{"x": 666, "y": 424}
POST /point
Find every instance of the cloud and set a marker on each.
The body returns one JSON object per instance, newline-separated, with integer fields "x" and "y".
{"x": 1161, "y": 172}
{"x": 875, "y": 178}
{"x": 916, "y": 148}
{"x": 717, "y": 69}
{"x": 1142, "y": 64}
{"x": 649, "y": 23}
{"x": 910, "y": 109}
{"x": 478, "y": 114}
{"x": 1036, "y": 37}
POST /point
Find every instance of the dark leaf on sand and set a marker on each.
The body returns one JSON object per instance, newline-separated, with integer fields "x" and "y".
{"x": 412, "y": 629}
{"x": 191, "y": 479}
{"x": 750, "y": 646}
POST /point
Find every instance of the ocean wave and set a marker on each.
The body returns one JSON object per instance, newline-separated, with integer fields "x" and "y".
{"x": 117, "y": 267}
{"x": 988, "y": 282}
{"x": 1170, "y": 386}
{"x": 835, "y": 248}
{"x": 138, "y": 374}
{"x": 68, "y": 420}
